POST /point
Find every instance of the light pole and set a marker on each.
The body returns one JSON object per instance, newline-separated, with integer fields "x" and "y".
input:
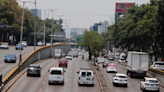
{"x": 20, "y": 58}
{"x": 35, "y": 27}
{"x": 65, "y": 26}
{"x": 52, "y": 29}
{"x": 59, "y": 21}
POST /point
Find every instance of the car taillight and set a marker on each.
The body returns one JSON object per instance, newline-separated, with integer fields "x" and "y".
{"x": 116, "y": 79}
{"x": 79, "y": 78}
{"x": 157, "y": 84}
{"x": 146, "y": 84}
{"x": 62, "y": 73}
{"x": 49, "y": 73}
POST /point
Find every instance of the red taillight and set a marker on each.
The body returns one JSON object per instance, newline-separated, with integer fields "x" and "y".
{"x": 62, "y": 73}
{"x": 146, "y": 84}
{"x": 157, "y": 84}
{"x": 79, "y": 78}
{"x": 116, "y": 79}
{"x": 49, "y": 73}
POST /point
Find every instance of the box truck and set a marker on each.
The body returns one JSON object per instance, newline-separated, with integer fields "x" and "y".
{"x": 137, "y": 64}
{"x": 57, "y": 53}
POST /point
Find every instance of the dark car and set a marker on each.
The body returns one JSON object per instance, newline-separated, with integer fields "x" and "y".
{"x": 18, "y": 46}
{"x": 34, "y": 69}
{"x": 10, "y": 58}
{"x": 105, "y": 56}
{"x": 75, "y": 55}
{"x": 105, "y": 64}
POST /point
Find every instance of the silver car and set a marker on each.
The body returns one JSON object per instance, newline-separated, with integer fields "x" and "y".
{"x": 34, "y": 69}
{"x": 4, "y": 46}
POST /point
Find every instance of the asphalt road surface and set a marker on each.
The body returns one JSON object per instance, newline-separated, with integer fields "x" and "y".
{"x": 5, "y": 68}
{"x": 40, "y": 84}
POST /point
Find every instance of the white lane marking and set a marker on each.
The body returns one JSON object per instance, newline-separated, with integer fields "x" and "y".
{"x": 40, "y": 90}
{"x": 43, "y": 83}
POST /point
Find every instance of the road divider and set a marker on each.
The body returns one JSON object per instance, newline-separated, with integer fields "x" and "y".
{"x": 39, "y": 54}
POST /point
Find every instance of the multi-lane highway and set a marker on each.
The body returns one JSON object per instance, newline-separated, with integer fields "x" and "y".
{"x": 40, "y": 84}
{"x": 5, "y": 68}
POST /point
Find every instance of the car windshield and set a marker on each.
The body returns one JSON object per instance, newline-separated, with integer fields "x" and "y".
{"x": 4, "y": 44}
{"x": 23, "y": 42}
{"x": 121, "y": 76}
{"x": 18, "y": 44}
{"x": 10, "y": 56}
{"x": 111, "y": 65}
{"x": 107, "y": 62}
{"x": 152, "y": 81}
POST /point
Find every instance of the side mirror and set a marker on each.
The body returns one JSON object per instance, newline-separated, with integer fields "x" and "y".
{"x": 78, "y": 72}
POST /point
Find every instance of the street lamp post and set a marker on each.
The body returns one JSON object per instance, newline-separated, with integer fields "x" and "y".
{"x": 21, "y": 34}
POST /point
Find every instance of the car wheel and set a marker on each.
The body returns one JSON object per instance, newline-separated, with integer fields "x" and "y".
{"x": 79, "y": 84}
{"x": 93, "y": 85}
{"x": 143, "y": 90}
{"x": 59, "y": 65}
{"x": 38, "y": 75}
{"x": 14, "y": 61}
{"x": 126, "y": 85}
{"x": 140, "y": 87}
{"x": 103, "y": 66}
{"x": 63, "y": 83}
{"x": 66, "y": 65}
{"x": 114, "y": 84}
{"x": 4, "y": 61}
{"x": 28, "y": 74}
{"x": 49, "y": 83}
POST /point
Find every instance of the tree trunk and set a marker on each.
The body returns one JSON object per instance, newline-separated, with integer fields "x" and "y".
{"x": 89, "y": 53}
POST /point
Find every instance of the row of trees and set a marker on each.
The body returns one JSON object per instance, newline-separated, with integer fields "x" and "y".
{"x": 11, "y": 14}
{"x": 93, "y": 41}
{"x": 140, "y": 28}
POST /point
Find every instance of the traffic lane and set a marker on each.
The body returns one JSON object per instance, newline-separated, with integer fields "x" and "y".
{"x": 71, "y": 79}
{"x": 5, "y": 68}
{"x": 32, "y": 83}
{"x": 133, "y": 83}
{"x": 134, "y": 80}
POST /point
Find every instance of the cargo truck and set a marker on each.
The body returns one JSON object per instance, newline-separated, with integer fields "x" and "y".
{"x": 137, "y": 64}
{"x": 57, "y": 53}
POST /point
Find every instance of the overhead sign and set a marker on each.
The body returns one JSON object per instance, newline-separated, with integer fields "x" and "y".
{"x": 123, "y": 7}
{"x": 79, "y": 40}
{"x": 59, "y": 36}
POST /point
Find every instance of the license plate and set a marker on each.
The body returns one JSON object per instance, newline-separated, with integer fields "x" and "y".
{"x": 88, "y": 78}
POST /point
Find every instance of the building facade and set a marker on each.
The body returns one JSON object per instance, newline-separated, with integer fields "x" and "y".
{"x": 100, "y": 27}
{"x": 77, "y": 31}
{"x": 38, "y": 12}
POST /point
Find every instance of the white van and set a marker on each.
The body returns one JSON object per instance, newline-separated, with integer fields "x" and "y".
{"x": 158, "y": 65}
{"x": 56, "y": 75}
{"x": 86, "y": 76}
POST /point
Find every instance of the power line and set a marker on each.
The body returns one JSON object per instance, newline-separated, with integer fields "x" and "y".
{"x": 82, "y": 14}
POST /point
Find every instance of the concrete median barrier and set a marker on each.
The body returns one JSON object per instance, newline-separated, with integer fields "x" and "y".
{"x": 39, "y": 54}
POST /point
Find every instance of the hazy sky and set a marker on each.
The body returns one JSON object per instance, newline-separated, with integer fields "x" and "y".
{"x": 80, "y": 13}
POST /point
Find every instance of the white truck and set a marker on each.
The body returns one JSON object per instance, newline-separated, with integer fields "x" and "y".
{"x": 57, "y": 53}
{"x": 137, "y": 64}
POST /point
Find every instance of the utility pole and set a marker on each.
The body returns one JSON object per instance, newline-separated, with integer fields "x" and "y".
{"x": 35, "y": 28}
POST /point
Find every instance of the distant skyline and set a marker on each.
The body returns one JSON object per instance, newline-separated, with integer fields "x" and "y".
{"x": 80, "y": 13}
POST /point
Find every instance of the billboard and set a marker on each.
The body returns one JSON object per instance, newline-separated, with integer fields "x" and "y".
{"x": 123, "y": 7}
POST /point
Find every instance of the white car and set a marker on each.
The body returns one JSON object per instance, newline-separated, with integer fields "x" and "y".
{"x": 39, "y": 43}
{"x": 24, "y": 43}
{"x": 83, "y": 51}
{"x": 47, "y": 44}
{"x": 86, "y": 76}
{"x": 4, "y": 46}
{"x": 149, "y": 84}
{"x": 79, "y": 53}
{"x": 56, "y": 75}
{"x": 100, "y": 60}
{"x": 158, "y": 65}
{"x": 120, "y": 78}
{"x": 68, "y": 57}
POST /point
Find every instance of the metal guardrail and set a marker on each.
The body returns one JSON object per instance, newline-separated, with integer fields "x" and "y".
{"x": 13, "y": 72}
{"x": 156, "y": 71}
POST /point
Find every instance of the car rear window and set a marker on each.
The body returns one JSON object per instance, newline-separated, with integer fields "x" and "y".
{"x": 112, "y": 65}
{"x": 152, "y": 81}
{"x": 107, "y": 62}
{"x": 89, "y": 73}
{"x": 121, "y": 76}
{"x": 159, "y": 63}
{"x": 57, "y": 72}
{"x": 62, "y": 60}
{"x": 83, "y": 74}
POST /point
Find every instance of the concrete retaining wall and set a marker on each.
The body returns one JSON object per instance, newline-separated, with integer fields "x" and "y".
{"x": 158, "y": 76}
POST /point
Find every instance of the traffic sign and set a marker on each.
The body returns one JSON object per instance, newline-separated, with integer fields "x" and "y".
{"x": 79, "y": 40}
